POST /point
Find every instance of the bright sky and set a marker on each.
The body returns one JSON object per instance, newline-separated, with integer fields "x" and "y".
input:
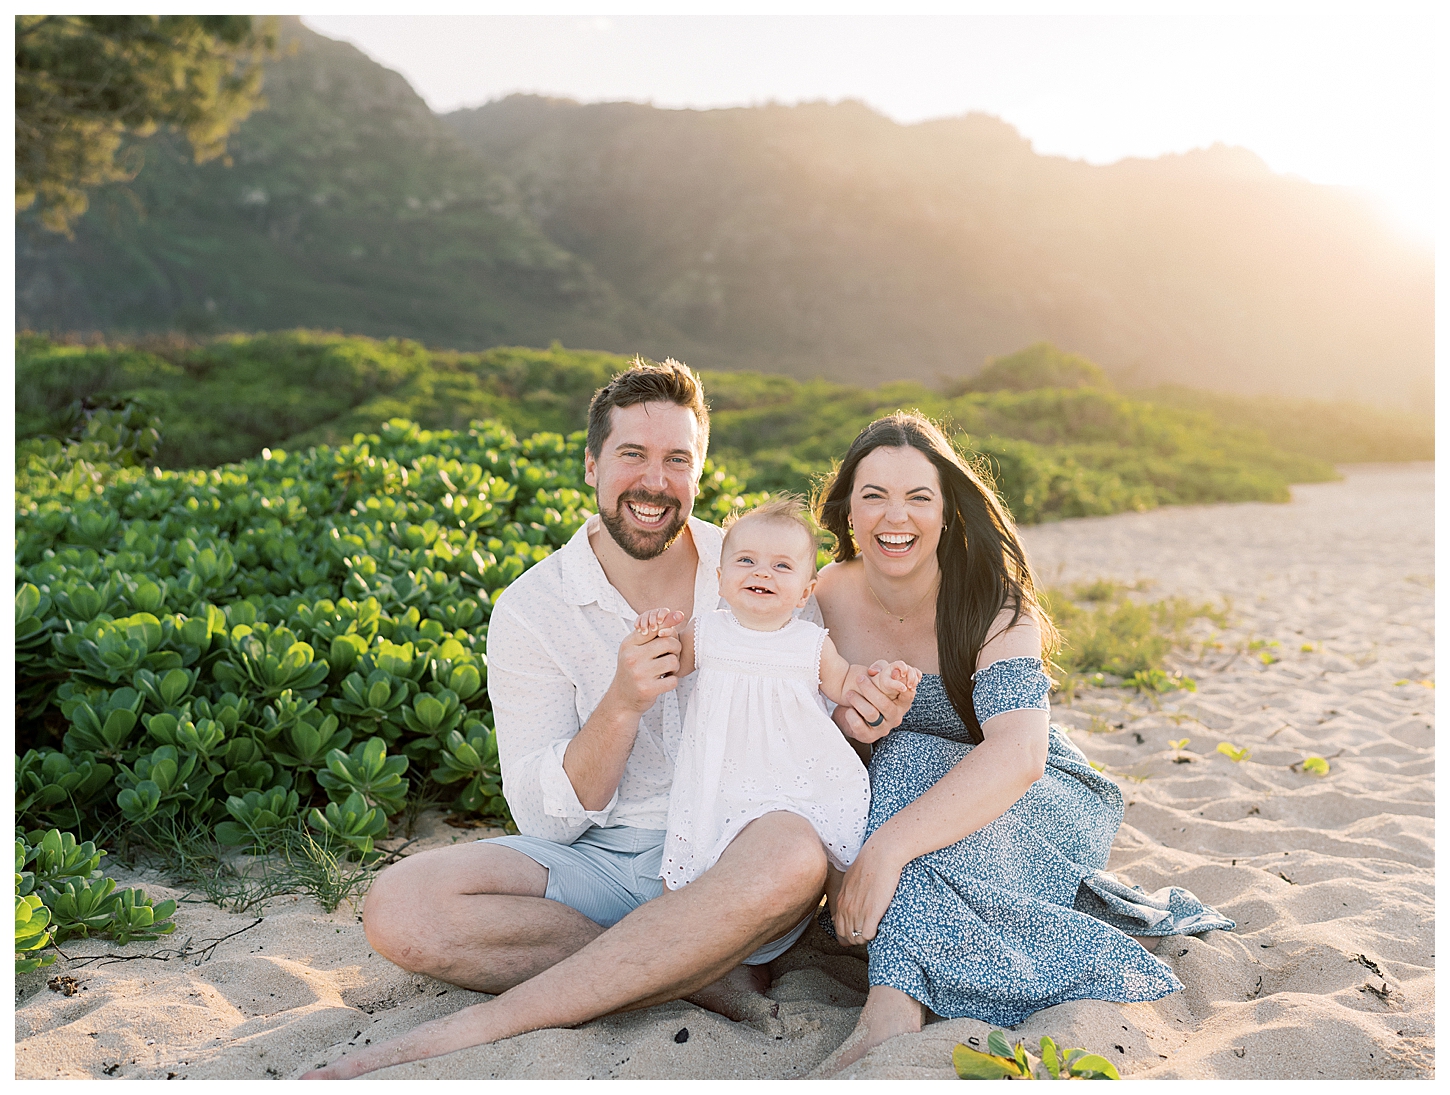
{"x": 1327, "y": 92}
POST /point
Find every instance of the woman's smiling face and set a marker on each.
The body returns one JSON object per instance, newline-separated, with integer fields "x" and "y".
{"x": 896, "y": 509}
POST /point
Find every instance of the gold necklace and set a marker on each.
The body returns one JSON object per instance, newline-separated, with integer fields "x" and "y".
{"x": 900, "y": 619}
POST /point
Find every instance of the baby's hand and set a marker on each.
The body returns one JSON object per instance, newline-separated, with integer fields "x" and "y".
{"x": 657, "y": 620}
{"x": 894, "y": 678}
{"x": 908, "y": 675}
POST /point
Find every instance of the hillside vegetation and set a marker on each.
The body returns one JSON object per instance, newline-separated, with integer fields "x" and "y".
{"x": 814, "y": 240}
{"x": 1053, "y": 451}
{"x": 344, "y": 204}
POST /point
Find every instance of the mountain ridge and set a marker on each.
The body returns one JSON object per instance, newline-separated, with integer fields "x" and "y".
{"x": 821, "y": 239}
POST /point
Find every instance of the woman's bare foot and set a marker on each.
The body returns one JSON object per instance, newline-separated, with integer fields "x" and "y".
{"x": 888, "y": 1012}
{"x": 740, "y": 996}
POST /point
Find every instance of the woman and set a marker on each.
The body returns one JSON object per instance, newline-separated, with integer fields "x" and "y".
{"x": 980, "y": 890}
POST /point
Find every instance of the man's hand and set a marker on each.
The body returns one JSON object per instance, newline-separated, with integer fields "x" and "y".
{"x": 649, "y": 660}
{"x": 877, "y": 701}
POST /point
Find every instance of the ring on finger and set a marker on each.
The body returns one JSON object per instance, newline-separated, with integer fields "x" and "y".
{"x": 880, "y": 718}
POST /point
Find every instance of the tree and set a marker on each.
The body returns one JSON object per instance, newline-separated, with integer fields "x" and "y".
{"x": 83, "y": 82}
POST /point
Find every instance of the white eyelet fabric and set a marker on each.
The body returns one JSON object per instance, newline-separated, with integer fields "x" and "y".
{"x": 756, "y": 739}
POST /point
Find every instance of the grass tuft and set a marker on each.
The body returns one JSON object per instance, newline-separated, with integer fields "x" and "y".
{"x": 291, "y": 860}
{"x": 1110, "y": 638}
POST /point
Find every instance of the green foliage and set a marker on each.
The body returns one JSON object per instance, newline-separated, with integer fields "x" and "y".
{"x": 1052, "y": 452}
{"x": 61, "y": 893}
{"x": 32, "y": 932}
{"x": 353, "y": 822}
{"x": 257, "y": 814}
{"x": 1011, "y": 1062}
{"x": 294, "y": 641}
{"x": 472, "y": 754}
{"x": 284, "y": 859}
{"x": 82, "y": 81}
{"x": 1109, "y": 637}
{"x": 1115, "y": 635}
{"x": 1041, "y": 365}
{"x": 1336, "y": 432}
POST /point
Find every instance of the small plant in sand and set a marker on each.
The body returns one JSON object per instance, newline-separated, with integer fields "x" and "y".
{"x": 1011, "y": 1062}
{"x": 60, "y": 894}
{"x": 1106, "y": 635}
{"x": 1233, "y": 752}
{"x": 1265, "y": 650}
{"x": 1315, "y": 766}
{"x": 1178, "y": 746}
{"x": 1156, "y": 681}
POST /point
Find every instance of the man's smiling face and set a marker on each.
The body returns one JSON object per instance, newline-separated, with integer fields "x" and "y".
{"x": 647, "y": 475}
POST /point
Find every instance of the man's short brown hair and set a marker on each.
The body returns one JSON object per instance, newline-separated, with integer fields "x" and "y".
{"x": 664, "y": 381}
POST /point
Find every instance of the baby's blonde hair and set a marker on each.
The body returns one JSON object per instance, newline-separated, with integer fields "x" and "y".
{"x": 787, "y": 508}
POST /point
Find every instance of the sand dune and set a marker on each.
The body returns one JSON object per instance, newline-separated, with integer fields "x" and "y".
{"x": 1330, "y": 972}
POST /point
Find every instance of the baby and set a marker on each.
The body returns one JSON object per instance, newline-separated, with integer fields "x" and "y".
{"x": 757, "y": 736}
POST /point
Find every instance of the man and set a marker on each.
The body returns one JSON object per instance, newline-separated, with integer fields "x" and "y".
{"x": 568, "y": 920}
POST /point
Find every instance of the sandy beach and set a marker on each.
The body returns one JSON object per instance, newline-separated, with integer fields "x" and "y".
{"x": 1329, "y": 651}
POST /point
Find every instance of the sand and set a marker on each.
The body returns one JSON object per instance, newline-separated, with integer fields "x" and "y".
{"x": 1330, "y": 972}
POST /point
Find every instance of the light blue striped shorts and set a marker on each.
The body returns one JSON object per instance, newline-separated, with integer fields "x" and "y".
{"x": 608, "y": 873}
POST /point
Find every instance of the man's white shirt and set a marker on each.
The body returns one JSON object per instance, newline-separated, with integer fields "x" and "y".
{"x": 553, "y": 644}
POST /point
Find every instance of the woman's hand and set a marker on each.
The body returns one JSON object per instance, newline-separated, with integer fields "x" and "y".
{"x": 865, "y": 893}
{"x": 872, "y": 711}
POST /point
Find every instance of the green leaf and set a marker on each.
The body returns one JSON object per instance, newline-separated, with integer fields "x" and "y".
{"x": 1049, "y": 1055}
{"x": 998, "y": 1044}
{"x": 1021, "y": 1056}
{"x": 972, "y": 1064}
{"x": 1093, "y": 1067}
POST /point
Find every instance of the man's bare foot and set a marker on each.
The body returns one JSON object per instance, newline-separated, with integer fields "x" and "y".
{"x": 740, "y": 996}
{"x": 888, "y": 1012}
{"x": 338, "y": 1070}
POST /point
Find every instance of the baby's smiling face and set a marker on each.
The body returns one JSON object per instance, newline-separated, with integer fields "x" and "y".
{"x": 767, "y": 571}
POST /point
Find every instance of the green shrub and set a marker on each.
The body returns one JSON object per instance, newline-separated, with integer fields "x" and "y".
{"x": 60, "y": 893}
{"x": 296, "y": 639}
{"x": 1061, "y": 442}
{"x": 1041, "y": 365}
{"x": 1104, "y": 631}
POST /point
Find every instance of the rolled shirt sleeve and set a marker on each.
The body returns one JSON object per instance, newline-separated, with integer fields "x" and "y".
{"x": 553, "y": 642}
{"x": 536, "y": 716}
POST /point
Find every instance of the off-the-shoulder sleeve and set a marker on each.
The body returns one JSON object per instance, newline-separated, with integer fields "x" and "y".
{"x": 1010, "y": 684}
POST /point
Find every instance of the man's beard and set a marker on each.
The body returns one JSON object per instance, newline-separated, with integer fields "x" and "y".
{"x": 636, "y": 543}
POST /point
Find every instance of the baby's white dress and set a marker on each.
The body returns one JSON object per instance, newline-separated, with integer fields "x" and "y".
{"x": 757, "y": 738}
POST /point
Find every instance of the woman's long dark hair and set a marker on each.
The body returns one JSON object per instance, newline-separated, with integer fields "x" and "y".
{"x": 983, "y": 566}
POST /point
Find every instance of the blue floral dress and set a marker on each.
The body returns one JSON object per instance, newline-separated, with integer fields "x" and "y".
{"x": 1018, "y": 915}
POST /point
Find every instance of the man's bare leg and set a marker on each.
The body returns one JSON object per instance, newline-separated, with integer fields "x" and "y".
{"x": 473, "y": 915}
{"x": 489, "y": 926}
{"x": 769, "y": 877}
